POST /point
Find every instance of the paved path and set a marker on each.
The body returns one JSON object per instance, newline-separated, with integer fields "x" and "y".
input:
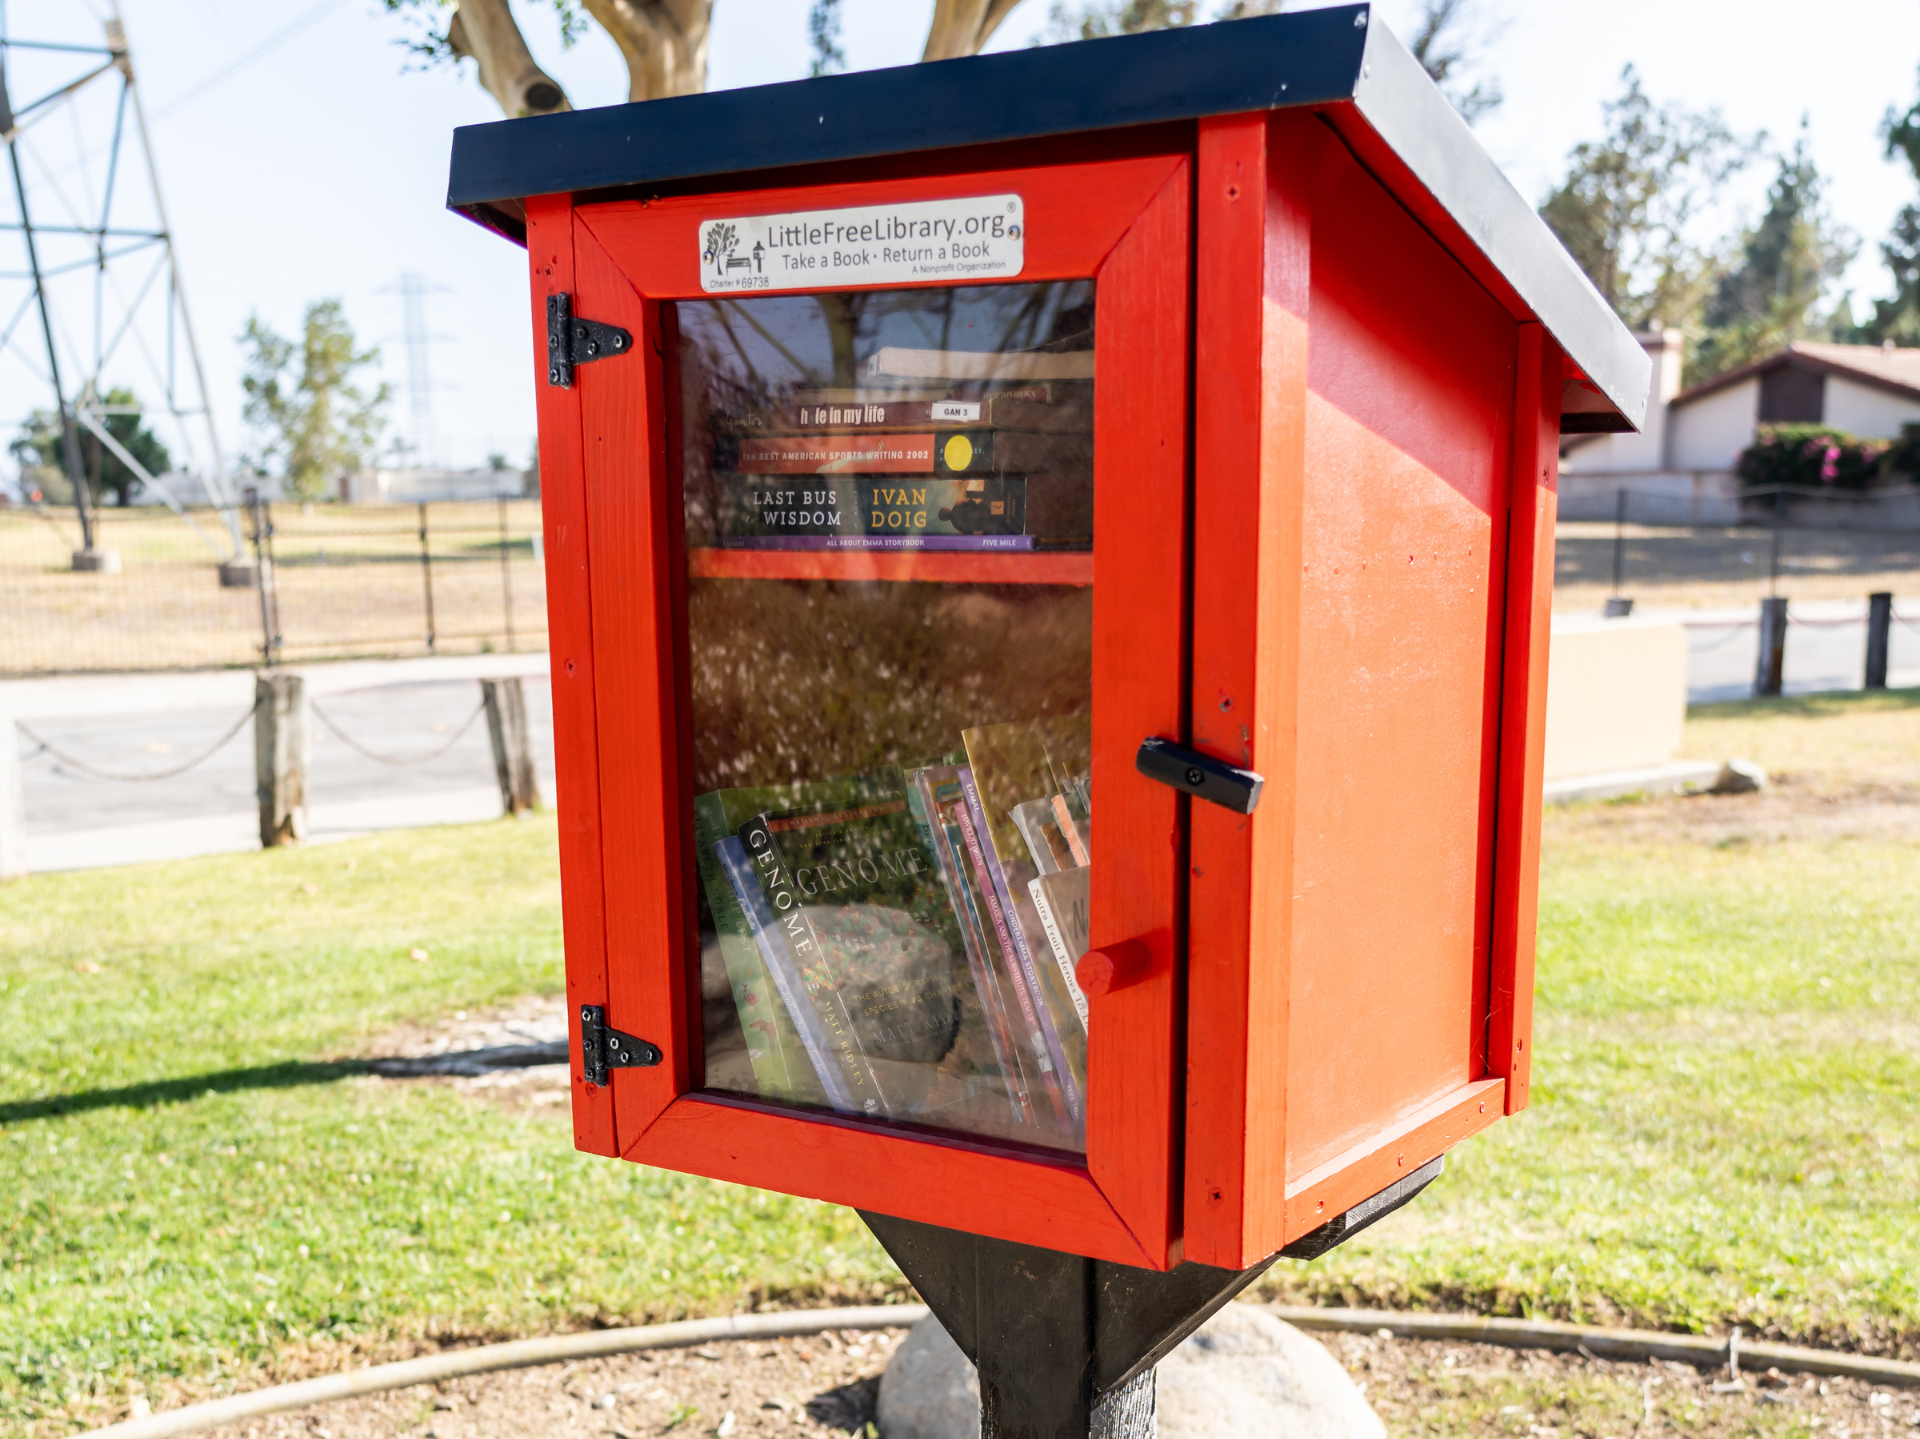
{"x": 1826, "y": 647}
{"x": 145, "y": 724}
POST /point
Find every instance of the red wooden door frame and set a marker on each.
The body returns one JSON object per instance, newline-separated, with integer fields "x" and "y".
{"x": 616, "y": 562}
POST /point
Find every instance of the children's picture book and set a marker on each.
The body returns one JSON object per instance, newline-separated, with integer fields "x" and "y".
{"x": 1012, "y": 764}
{"x": 934, "y": 794}
{"x": 1062, "y": 900}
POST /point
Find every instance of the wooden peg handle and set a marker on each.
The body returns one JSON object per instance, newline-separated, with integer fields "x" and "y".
{"x": 1114, "y": 966}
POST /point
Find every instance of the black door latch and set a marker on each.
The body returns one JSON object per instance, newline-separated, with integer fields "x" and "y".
{"x": 1199, "y": 775}
{"x": 602, "y": 1049}
{"x": 572, "y": 341}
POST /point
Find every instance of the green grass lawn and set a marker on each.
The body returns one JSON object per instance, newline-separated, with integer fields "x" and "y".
{"x": 1725, "y": 1125}
{"x": 187, "y": 1189}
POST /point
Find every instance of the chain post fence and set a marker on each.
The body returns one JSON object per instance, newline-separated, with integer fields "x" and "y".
{"x": 1782, "y": 556}
{"x": 328, "y": 581}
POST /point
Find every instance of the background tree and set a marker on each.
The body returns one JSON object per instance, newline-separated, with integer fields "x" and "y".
{"x": 41, "y": 452}
{"x": 664, "y": 42}
{"x": 1450, "y": 34}
{"x": 823, "y": 33}
{"x": 1776, "y": 291}
{"x": 318, "y": 422}
{"x": 1446, "y": 35}
{"x": 1898, "y": 318}
{"x": 1630, "y": 201}
{"x": 1117, "y": 17}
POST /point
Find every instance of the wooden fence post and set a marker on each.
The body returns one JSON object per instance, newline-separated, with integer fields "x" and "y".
{"x": 1773, "y": 647}
{"x": 506, "y": 704}
{"x": 1879, "y": 633}
{"x": 13, "y": 806}
{"x": 280, "y": 756}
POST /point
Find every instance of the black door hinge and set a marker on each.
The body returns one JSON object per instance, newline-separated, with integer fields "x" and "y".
{"x": 602, "y": 1049}
{"x": 572, "y": 341}
{"x": 1199, "y": 775}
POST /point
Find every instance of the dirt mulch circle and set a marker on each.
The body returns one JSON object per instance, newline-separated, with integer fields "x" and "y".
{"x": 1438, "y": 1386}
{"x": 828, "y": 1384}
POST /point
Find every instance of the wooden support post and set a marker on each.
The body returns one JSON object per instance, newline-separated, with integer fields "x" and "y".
{"x": 280, "y": 756}
{"x": 13, "y": 806}
{"x": 1773, "y": 647}
{"x": 1065, "y": 1347}
{"x": 506, "y": 703}
{"x": 1879, "y": 636}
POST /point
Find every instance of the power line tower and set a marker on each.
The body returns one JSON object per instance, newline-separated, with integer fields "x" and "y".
{"x": 413, "y": 290}
{"x": 102, "y": 278}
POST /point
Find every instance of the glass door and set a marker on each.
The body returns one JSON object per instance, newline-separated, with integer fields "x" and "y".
{"x": 889, "y": 514}
{"x": 887, "y": 583}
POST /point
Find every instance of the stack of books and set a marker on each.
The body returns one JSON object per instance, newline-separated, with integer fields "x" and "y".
{"x": 901, "y": 944}
{"x": 938, "y": 450}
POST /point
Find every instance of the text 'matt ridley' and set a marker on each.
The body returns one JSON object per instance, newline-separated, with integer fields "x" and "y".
{"x": 927, "y": 241}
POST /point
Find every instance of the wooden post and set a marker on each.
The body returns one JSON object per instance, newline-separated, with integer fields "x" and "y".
{"x": 13, "y": 806}
{"x": 1773, "y": 647}
{"x": 506, "y": 703}
{"x": 280, "y": 756}
{"x": 1879, "y": 635}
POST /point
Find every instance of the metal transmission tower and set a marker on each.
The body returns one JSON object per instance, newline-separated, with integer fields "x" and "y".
{"x": 413, "y": 291}
{"x": 101, "y": 277}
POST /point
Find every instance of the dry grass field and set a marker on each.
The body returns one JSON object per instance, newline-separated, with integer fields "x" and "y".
{"x": 350, "y": 582}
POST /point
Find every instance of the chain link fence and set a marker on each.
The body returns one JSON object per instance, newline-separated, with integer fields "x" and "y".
{"x": 343, "y": 581}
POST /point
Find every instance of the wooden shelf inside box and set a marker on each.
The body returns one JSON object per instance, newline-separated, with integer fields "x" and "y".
{"x": 1003, "y": 567}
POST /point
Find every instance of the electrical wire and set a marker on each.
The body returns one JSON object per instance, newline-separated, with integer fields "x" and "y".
{"x": 242, "y": 61}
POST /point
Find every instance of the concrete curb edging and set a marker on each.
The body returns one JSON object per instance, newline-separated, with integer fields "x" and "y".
{"x": 1605, "y": 1343}
{"x": 1629, "y": 1344}
{"x": 520, "y": 1354}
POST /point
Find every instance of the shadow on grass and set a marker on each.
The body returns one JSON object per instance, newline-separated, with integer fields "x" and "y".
{"x": 288, "y": 1074}
{"x": 1810, "y": 706}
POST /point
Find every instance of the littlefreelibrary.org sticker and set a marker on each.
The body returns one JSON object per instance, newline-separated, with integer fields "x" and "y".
{"x": 974, "y": 239}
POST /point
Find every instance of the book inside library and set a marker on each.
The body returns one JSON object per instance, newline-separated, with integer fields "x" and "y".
{"x": 889, "y": 528}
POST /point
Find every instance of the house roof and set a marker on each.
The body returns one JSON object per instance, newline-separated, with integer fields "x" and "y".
{"x": 1882, "y": 367}
{"x": 1342, "y": 61}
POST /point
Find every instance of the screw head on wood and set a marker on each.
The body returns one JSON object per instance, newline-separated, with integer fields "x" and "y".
{"x": 1195, "y": 778}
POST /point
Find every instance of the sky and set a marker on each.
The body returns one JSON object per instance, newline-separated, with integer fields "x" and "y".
{"x": 302, "y": 156}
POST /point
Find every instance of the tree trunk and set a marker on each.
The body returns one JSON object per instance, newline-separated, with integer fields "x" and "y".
{"x": 961, "y": 27}
{"x": 664, "y": 43}
{"x": 484, "y": 31}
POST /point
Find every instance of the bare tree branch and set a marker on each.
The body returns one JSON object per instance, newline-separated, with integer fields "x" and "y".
{"x": 484, "y": 31}
{"x": 961, "y": 27}
{"x": 664, "y": 43}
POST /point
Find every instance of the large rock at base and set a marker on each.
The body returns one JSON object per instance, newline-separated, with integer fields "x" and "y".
{"x": 930, "y": 1389}
{"x": 1251, "y": 1375}
{"x": 1245, "y": 1373}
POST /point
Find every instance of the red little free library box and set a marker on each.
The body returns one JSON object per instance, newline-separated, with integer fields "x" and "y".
{"x": 915, "y": 445}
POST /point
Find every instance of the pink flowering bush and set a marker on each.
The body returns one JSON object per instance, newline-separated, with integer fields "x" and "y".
{"x": 1810, "y": 457}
